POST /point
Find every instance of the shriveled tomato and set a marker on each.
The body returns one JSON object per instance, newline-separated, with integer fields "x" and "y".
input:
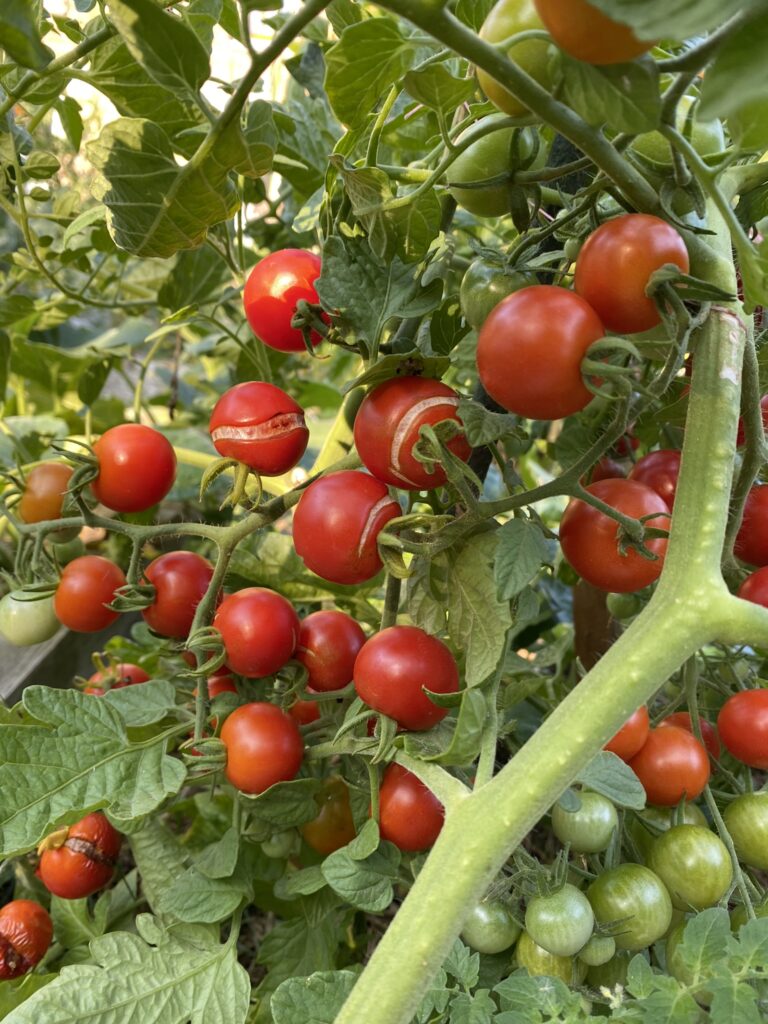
{"x": 44, "y": 489}
{"x": 260, "y": 425}
{"x": 86, "y": 587}
{"x": 26, "y": 931}
{"x": 180, "y": 579}
{"x": 708, "y": 731}
{"x": 410, "y": 815}
{"x": 333, "y": 827}
{"x": 274, "y": 287}
{"x": 659, "y": 471}
{"x": 260, "y": 630}
{"x": 672, "y": 765}
{"x": 751, "y": 543}
{"x": 743, "y": 727}
{"x": 115, "y": 677}
{"x": 264, "y": 746}
{"x": 584, "y": 32}
{"x": 137, "y": 467}
{"x": 329, "y": 642}
{"x": 82, "y": 860}
{"x": 631, "y": 736}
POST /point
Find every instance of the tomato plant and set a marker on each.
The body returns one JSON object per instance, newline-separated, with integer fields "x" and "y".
{"x": 743, "y": 727}
{"x": 329, "y": 642}
{"x": 489, "y": 927}
{"x": 86, "y": 588}
{"x": 180, "y": 579}
{"x": 259, "y": 630}
{"x": 81, "y": 861}
{"x": 263, "y": 745}
{"x": 260, "y": 425}
{"x": 274, "y": 288}
{"x": 24, "y": 622}
{"x": 26, "y": 931}
{"x": 647, "y": 824}
{"x": 588, "y": 829}
{"x": 489, "y": 158}
{"x": 672, "y": 765}
{"x": 410, "y": 816}
{"x": 584, "y": 32}
{"x": 137, "y": 467}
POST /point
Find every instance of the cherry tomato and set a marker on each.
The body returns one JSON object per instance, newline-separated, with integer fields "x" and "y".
{"x": 743, "y": 727}
{"x": 86, "y": 587}
{"x": 180, "y": 579}
{"x": 590, "y": 828}
{"x": 483, "y": 287}
{"x": 539, "y": 963}
{"x": 672, "y": 765}
{"x": 336, "y": 524}
{"x": 746, "y": 819}
{"x": 220, "y": 682}
{"x": 333, "y": 827}
{"x": 755, "y": 587}
{"x": 393, "y": 668}
{"x": 751, "y": 543}
{"x": 659, "y": 471}
{"x": 490, "y": 157}
{"x": 694, "y": 864}
{"x": 630, "y": 738}
{"x": 26, "y": 931}
{"x": 84, "y": 861}
{"x": 24, "y": 622}
{"x": 590, "y": 539}
{"x": 605, "y": 469}
{"x": 260, "y": 630}
{"x": 116, "y": 677}
{"x": 329, "y": 642}
{"x": 635, "y": 901}
{"x": 137, "y": 467}
{"x": 260, "y": 425}
{"x": 264, "y": 746}
{"x": 562, "y": 922}
{"x": 740, "y": 435}
{"x": 530, "y": 349}
{"x": 610, "y": 974}
{"x": 489, "y": 927}
{"x": 708, "y": 731}
{"x": 44, "y": 489}
{"x": 661, "y": 819}
{"x": 274, "y": 287}
{"x": 599, "y": 950}
{"x": 584, "y": 32}
{"x": 303, "y": 712}
{"x": 508, "y": 18}
{"x": 410, "y": 815}
{"x": 616, "y": 263}
{"x": 387, "y": 427}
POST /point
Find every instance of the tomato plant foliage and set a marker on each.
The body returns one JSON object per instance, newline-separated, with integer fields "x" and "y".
{"x": 351, "y": 364}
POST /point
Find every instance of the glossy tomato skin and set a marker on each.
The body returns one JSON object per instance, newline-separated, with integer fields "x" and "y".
{"x": 260, "y": 630}
{"x": 86, "y": 586}
{"x": 180, "y": 579}
{"x": 672, "y": 765}
{"x": 605, "y": 469}
{"x": 751, "y": 543}
{"x": 631, "y": 737}
{"x": 590, "y": 828}
{"x": 137, "y": 467}
{"x": 337, "y": 522}
{"x": 659, "y": 471}
{"x": 708, "y": 731}
{"x": 410, "y": 815}
{"x": 333, "y": 827}
{"x": 264, "y": 746}
{"x": 746, "y": 819}
{"x": 589, "y": 538}
{"x": 274, "y": 287}
{"x": 636, "y": 897}
{"x": 329, "y": 642}
{"x": 743, "y": 727}
{"x": 562, "y": 922}
{"x": 393, "y": 667}
{"x": 584, "y": 32}
{"x": 483, "y": 287}
{"x": 44, "y": 489}
{"x": 661, "y": 819}
{"x": 260, "y": 425}
{"x": 508, "y": 18}
{"x": 24, "y": 623}
{"x": 304, "y": 712}
{"x": 85, "y": 862}
{"x": 124, "y": 674}
{"x": 694, "y": 864}
{"x": 387, "y": 427}
{"x": 530, "y": 349}
{"x": 220, "y": 682}
{"x": 489, "y": 927}
{"x": 755, "y": 587}
{"x": 617, "y": 261}
{"x": 490, "y": 157}
{"x": 26, "y": 931}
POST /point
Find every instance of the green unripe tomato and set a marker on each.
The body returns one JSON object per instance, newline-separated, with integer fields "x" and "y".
{"x": 24, "y": 623}
{"x": 739, "y": 915}
{"x": 488, "y": 158}
{"x": 539, "y": 963}
{"x": 599, "y": 950}
{"x": 483, "y": 287}
{"x": 706, "y": 137}
{"x": 623, "y": 606}
{"x": 662, "y": 818}
{"x": 560, "y": 923}
{"x": 589, "y": 829}
{"x": 610, "y": 974}
{"x": 635, "y": 902}
{"x": 508, "y": 18}
{"x": 746, "y": 818}
{"x": 749, "y": 125}
{"x": 280, "y": 845}
{"x": 489, "y": 927}
{"x": 694, "y": 864}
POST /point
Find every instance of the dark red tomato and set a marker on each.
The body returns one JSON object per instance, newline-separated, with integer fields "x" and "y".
{"x": 605, "y": 469}
{"x": 84, "y": 861}
{"x": 260, "y": 425}
{"x": 530, "y": 349}
{"x": 260, "y": 630}
{"x": 755, "y": 587}
{"x": 264, "y": 746}
{"x": 115, "y": 678}
{"x": 387, "y": 427}
{"x": 631, "y": 737}
{"x": 626, "y": 444}
{"x": 137, "y": 467}
{"x": 333, "y": 827}
{"x": 180, "y": 579}
{"x": 26, "y": 931}
{"x": 220, "y": 682}
{"x": 329, "y": 642}
{"x": 615, "y": 265}
{"x": 337, "y": 522}
{"x": 682, "y": 719}
{"x": 743, "y": 727}
{"x": 590, "y": 539}
{"x": 672, "y": 765}
{"x": 659, "y": 471}
{"x": 410, "y": 815}
{"x": 740, "y": 435}
{"x": 752, "y": 539}
{"x": 393, "y": 668}
{"x": 304, "y": 712}
{"x": 44, "y": 490}
{"x": 86, "y": 587}
{"x": 587, "y": 34}
{"x": 274, "y": 287}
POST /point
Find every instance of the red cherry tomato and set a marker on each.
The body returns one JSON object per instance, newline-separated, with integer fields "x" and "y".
{"x": 605, "y": 469}
{"x": 86, "y": 586}
{"x": 137, "y": 467}
{"x": 180, "y": 579}
{"x": 743, "y": 727}
{"x": 393, "y": 668}
{"x": 659, "y": 471}
{"x": 530, "y": 349}
{"x": 615, "y": 265}
{"x": 751, "y": 543}
{"x": 329, "y": 642}
{"x": 264, "y": 746}
{"x": 671, "y": 765}
{"x": 303, "y": 712}
{"x": 589, "y": 538}
{"x": 274, "y": 287}
{"x": 625, "y": 445}
{"x": 410, "y": 815}
{"x": 85, "y": 862}
{"x": 220, "y": 682}
{"x": 584, "y": 32}
{"x": 740, "y": 435}
{"x": 260, "y": 425}
{"x": 337, "y": 522}
{"x": 44, "y": 490}
{"x": 26, "y": 931}
{"x": 387, "y": 427}
{"x": 333, "y": 827}
{"x": 755, "y": 587}
{"x": 124, "y": 674}
{"x": 682, "y": 719}
{"x": 631, "y": 737}
{"x": 260, "y": 630}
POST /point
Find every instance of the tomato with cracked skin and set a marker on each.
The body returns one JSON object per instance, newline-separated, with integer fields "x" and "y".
{"x": 410, "y": 815}
{"x": 180, "y": 579}
{"x": 743, "y": 727}
{"x": 274, "y": 287}
{"x": 26, "y": 931}
{"x": 659, "y": 471}
{"x": 260, "y": 425}
{"x": 584, "y": 32}
{"x": 82, "y": 860}
{"x": 264, "y": 746}
{"x": 137, "y": 467}
{"x": 116, "y": 676}
{"x": 86, "y": 586}
{"x": 630, "y": 738}
{"x": 751, "y": 544}
{"x": 259, "y": 629}
{"x": 329, "y": 642}
{"x": 671, "y": 765}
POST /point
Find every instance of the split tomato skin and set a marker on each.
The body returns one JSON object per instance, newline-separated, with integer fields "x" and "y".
{"x": 26, "y": 931}
{"x": 672, "y": 765}
{"x": 180, "y": 579}
{"x": 259, "y": 629}
{"x": 743, "y": 727}
{"x": 273, "y": 289}
{"x": 85, "y": 862}
{"x": 410, "y": 815}
{"x": 86, "y": 586}
{"x": 261, "y": 426}
{"x": 329, "y": 643}
{"x": 137, "y": 467}
{"x": 264, "y": 746}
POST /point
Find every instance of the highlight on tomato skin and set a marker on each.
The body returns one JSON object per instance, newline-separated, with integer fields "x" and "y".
{"x": 272, "y": 291}
{"x": 137, "y": 468}
{"x": 410, "y": 815}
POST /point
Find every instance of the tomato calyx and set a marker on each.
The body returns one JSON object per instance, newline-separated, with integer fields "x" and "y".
{"x": 237, "y": 494}
{"x": 203, "y": 757}
{"x": 309, "y": 319}
{"x": 133, "y": 597}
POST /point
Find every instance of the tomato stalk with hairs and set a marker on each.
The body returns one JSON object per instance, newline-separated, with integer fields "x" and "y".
{"x": 261, "y": 426}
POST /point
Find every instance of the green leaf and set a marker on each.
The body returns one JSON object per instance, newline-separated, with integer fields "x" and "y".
{"x": 77, "y": 759}
{"x": 313, "y": 1000}
{"x": 20, "y": 36}
{"x": 624, "y": 96}
{"x": 366, "y": 884}
{"x": 474, "y": 12}
{"x": 197, "y": 899}
{"x": 341, "y": 14}
{"x": 609, "y": 775}
{"x": 286, "y": 804}
{"x": 202, "y": 16}
{"x": 300, "y": 883}
{"x": 483, "y": 426}
{"x": 436, "y": 87}
{"x": 673, "y": 19}
{"x": 737, "y": 76}
{"x": 196, "y": 277}
{"x": 447, "y": 327}
{"x": 462, "y": 964}
{"x": 259, "y": 141}
{"x": 427, "y": 593}
{"x": 14, "y": 993}
{"x": 74, "y": 924}
{"x": 92, "y": 380}
{"x": 5, "y": 361}
{"x": 402, "y": 364}
{"x": 521, "y": 552}
{"x": 301, "y": 946}
{"x": 68, "y": 110}
{"x": 475, "y": 1008}
{"x": 456, "y": 741}
{"x": 219, "y": 860}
